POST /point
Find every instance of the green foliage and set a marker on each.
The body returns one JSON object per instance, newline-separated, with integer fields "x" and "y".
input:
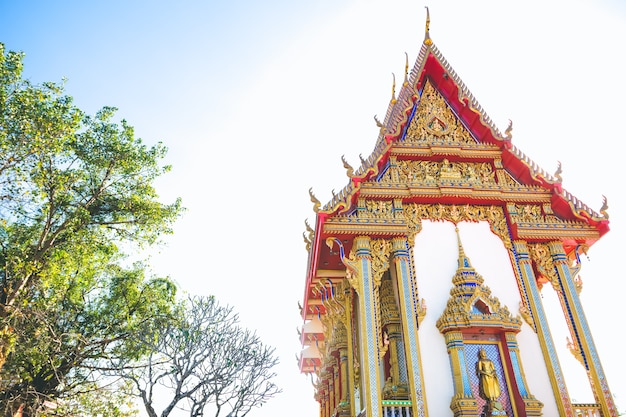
{"x": 74, "y": 189}
{"x": 111, "y": 400}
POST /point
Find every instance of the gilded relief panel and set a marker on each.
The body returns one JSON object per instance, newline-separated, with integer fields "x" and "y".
{"x": 434, "y": 173}
{"x": 434, "y": 121}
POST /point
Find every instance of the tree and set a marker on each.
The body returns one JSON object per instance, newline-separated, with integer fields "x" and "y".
{"x": 74, "y": 189}
{"x": 204, "y": 362}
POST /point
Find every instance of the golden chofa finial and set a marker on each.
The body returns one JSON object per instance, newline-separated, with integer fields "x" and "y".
{"x": 346, "y": 165}
{"x": 427, "y": 40}
{"x": 381, "y": 127}
{"x": 604, "y": 208}
{"x": 315, "y": 201}
{"x": 393, "y": 89}
{"x": 558, "y": 172}
{"x": 406, "y": 70}
{"x": 508, "y": 133}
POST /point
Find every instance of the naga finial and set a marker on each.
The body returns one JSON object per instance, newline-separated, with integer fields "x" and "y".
{"x": 307, "y": 242}
{"x": 315, "y": 201}
{"x": 346, "y": 165}
{"x": 604, "y": 208}
{"x": 427, "y": 40}
{"x": 509, "y": 129}
{"x": 393, "y": 89}
{"x": 558, "y": 173}
{"x": 406, "y": 70}
{"x": 379, "y": 124}
{"x": 308, "y": 227}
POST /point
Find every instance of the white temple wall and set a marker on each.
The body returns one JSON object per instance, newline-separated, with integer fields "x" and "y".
{"x": 436, "y": 256}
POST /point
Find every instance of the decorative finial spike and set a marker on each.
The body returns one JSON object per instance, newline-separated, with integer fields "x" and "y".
{"x": 463, "y": 259}
{"x": 604, "y": 208}
{"x": 406, "y": 70}
{"x": 381, "y": 126}
{"x": 308, "y": 226}
{"x": 508, "y": 132}
{"x": 427, "y": 40}
{"x": 558, "y": 172}
{"x": 348, "y": 167}
{"x": 314, "y": 200}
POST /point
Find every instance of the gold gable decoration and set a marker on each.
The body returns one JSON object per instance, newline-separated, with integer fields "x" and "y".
{"x": 434, "y": 122}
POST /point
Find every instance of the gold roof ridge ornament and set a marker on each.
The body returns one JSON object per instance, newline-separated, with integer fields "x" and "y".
{"x": 314, "y": 200}
{"x": 381, "y": 127}
{"x": 347, "y": 166}
{"x": 406, "y": 70}
{"x": 393, "y": 89}
{"x": 508, "y": 133}
{"x": 427, "y": 40}
{"x": 604, "y": 208}
{"x": 558, "y": 172}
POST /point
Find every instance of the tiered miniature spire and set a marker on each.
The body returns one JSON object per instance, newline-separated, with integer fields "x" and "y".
{"x": 471, "y": 304}
{"x": 465, "y": 274}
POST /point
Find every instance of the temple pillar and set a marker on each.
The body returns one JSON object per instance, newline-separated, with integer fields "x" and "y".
{"x": 579, "y": 327}
{"x": 396, "y": 354}
{"x": 409, "y": 302}
{"x": 331, "y": 391}
{"x": 343, "y": 374}
{"x": 369, "y": 336}
{"x": 324, "y": 394}
{"x": 337, "y": 386}
{"x": 535, "y": 317}
{"x": 348, "y": 359}
{"x": 463, "y": 403}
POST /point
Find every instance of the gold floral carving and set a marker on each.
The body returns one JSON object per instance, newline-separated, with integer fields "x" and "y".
{"x": 505, "y": 179}
{"x": 540, "y": 254}
{"x": 352, "y": 273}
{"x": 434, "y": 122}
{"x": 421, "y": 311}
{"x": 388, "y": 306}
{"x": 575, "y": 351}
{"x": 435, "y": 173}
{"x": 527, "y": 316}
{"x": 578, "y": 284}
{"x": 339, "y": 338}
{"x": 379, "y": 208}
{"x": 575, "y": 266}
{"x": 538, "y": 222}
{"x": 380, "y": 250}
{"x": 532, "y": 213}
{"x": 455, "y": 214}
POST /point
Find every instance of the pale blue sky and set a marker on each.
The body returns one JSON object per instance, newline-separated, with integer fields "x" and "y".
{"x": 258, "y": 101}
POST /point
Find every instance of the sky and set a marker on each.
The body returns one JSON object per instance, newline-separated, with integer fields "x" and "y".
{"x": 258, "y": 101}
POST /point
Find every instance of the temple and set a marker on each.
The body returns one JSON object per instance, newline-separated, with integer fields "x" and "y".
{"x": 433, "y": 274}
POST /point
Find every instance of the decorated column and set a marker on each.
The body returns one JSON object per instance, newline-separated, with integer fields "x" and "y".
{"x": 580, "y": 329}
{"x": 535, "y": 316}
{"x": 410, "y": 309}
{"x": 370, "y": 318}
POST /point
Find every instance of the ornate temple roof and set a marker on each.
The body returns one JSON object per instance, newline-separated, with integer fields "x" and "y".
{"x": 461, "y": 134}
